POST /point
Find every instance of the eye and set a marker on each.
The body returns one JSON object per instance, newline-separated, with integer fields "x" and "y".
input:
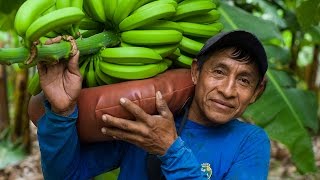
{"x": 218, "y": 72}
{"x": 245, "y": 81}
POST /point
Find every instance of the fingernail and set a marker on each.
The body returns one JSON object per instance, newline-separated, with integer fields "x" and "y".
{"x": 104, "y": 118}
{"x": 159, "y": 95}
{"x": 122, "y": 100}
{"x": 104, "y": 130}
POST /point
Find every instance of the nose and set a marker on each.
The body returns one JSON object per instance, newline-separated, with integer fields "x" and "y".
{"x": 227, "y": 88}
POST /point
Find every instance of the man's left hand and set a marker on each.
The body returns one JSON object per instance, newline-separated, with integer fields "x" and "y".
{"x": 153, "y": 133}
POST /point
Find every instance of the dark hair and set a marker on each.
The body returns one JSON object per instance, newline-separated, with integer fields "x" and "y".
{"x": 238, "y": 54}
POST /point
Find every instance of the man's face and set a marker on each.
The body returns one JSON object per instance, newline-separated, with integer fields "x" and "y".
{"x": 224, "y": 88}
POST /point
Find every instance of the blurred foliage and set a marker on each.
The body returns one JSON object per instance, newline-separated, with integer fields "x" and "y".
{"x": 7, "y": 13}
{"x": 287, "y": 111}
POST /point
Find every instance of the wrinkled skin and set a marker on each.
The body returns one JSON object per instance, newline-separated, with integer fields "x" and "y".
{"x": 224, "y": 89}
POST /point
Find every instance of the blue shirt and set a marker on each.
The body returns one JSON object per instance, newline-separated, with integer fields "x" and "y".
{"x": 235, "y": 150}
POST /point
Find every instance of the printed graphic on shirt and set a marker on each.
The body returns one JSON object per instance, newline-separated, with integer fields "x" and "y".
{"x": 205, "y": 167}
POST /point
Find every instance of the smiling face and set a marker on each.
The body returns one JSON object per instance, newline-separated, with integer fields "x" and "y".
{"x": 224, "y": 88}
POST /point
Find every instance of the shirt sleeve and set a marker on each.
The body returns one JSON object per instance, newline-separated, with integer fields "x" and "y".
{"x": 179, "y": 162}
{"x": 252, "y": 162}
{"x": 62, "y": 155}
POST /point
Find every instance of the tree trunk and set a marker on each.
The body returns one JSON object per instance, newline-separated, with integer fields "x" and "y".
{"x": 311, "y": 72}
{"x": 20, "y": 123}
{"x": 4, "y": 106}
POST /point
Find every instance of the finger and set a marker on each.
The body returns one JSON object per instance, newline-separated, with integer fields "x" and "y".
{"x": 123, "y": 135}
{"x": 134, "y": 109}
{"x": 125, "y": 124}
{"x": 73, "y": 65}
{"x": 162, "y": 106}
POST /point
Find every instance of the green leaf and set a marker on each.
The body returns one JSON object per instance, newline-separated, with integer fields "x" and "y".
{"x": 236, "y": 18}
{"x": 314, "y": 33}
{"x": 284, "y": 112}
{"x": 277, "y": 55}
{"x": 308, "y": 13}
{"x": 8, "y": 11}
{"x": 6, "y": 21}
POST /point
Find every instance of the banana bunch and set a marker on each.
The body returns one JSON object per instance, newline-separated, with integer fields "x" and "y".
{"x": 155, "y": 35}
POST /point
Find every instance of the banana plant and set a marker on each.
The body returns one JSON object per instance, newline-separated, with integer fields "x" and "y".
{"x": 285, "y": 111}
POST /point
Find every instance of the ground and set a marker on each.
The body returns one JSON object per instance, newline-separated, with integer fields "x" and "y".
{"x": 281, "y": 168}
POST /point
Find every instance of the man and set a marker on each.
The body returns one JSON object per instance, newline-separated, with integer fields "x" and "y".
{"x": 206, "y": 142}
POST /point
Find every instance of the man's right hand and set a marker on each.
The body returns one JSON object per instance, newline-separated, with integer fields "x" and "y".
{"x": 61, "y": 84}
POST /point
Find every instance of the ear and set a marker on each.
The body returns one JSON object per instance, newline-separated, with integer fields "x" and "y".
{"x": 194, "y": 71}
{"x": 259, "y": 90}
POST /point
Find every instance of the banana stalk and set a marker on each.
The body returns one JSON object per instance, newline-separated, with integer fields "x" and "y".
{"x": 60, "y": 50}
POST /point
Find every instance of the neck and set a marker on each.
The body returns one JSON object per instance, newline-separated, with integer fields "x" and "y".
{"x": 196, "y": 115}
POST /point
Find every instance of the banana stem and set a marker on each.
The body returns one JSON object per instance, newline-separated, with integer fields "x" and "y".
{"x": 61, "y": 50}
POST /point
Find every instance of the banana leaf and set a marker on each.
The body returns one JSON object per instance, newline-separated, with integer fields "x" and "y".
{"x": 284, "y": 111}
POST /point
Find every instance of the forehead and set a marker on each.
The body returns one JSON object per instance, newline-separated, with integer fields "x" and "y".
{"x": 225, "y": 58}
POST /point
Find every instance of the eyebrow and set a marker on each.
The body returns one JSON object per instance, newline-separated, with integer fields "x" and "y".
{"x": 243, "y": 73}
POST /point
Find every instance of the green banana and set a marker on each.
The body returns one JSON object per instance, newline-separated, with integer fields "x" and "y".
{"x": 133, "y": 72}
{"x": 162, "y": 25}
{"x": 124, "y": 8}
{"x": 190, "y": 46}
{"x": 53, "y": 20}
{"x": 124, "y": 55}
{"x": 172, "y": 2}
{"x": 96, "y": 9}
{"x": 96, "y": 65}
{"x": 175, "y": 54}
{"x": 34, "y": 87}
{"x": 62, "y": 4}
{"x": 77, "y": 3}
{"x": 183, "y": 61}
{"x": 141, "y": 3}
{"x": 165, "y": 50}
{"x": 206, "y": 18}
{"x": 84, "y": 66}
{"x": 142, "y": 17}
{"x": 154, "y": 3}
{"x": 151, "y": 37}
{"x": 90, "y": 76}
{"x": 52, "y": 8}
{"x": 192, "y": 8}
{"x": 168, "y": 62}
{"x": 109, "y": 8}
{"x": 89, "y": 24}
{"x": 123, "y": 44}
{"x": 104, "y": 77}
{"x": 201, "y": 30}
{"x": 28, "y": 12}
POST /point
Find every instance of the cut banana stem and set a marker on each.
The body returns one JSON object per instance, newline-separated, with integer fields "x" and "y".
{"x": 54, "y": 52}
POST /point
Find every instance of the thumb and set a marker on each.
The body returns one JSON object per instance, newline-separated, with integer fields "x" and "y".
{"x": 162, "y": 106}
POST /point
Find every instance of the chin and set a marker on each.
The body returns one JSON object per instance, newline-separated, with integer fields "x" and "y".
{"x": 217, "y": 118}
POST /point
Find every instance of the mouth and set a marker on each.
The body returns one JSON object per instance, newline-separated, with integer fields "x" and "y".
{"x": 222, "y": 104}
